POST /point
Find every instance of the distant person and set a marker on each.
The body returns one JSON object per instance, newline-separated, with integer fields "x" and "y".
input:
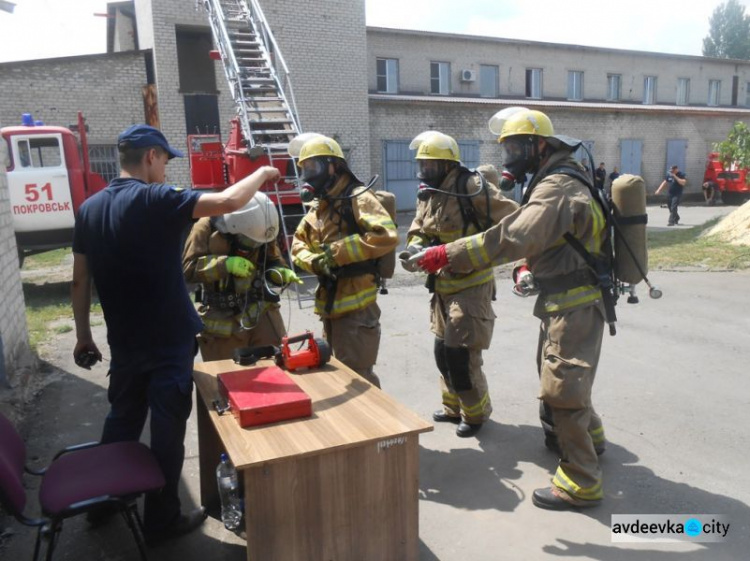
{"x": 600, "y": 176}
{"x": 128, "y": 242}
{"x": 676, "y": 181}
{"x": 612, "y": 176}
{"x": 710, "y": 192}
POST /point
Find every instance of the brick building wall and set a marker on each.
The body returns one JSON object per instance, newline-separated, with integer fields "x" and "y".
{"x": 464, "y": 114}
{"x": 15, "y": 339}
{"x": 392, "y": 118}
{"x": 330, "y": 89}
{"x": 107, "y": 88}
{"x": 416, "y": 49}
{"x": 324, "y": 43}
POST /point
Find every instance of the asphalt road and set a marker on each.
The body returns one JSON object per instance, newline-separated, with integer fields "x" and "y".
{"x": 671, "y": 388}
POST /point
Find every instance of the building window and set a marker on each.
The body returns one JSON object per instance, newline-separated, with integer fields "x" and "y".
{"x": 489, "y": 85}
{"x": 387, "y": 73}
{"x": 747, "y": 94}
{"x": 683, "y": 91}
{"x": 575, "y": 85}
{"x": 440, "y": 78}
{"x": 534, "y": 83}
{"x": 105, "y": 161}
{"x": 714, "y": 92}
{"x": 614, "y": 87}
{"x": 649, "y": 90}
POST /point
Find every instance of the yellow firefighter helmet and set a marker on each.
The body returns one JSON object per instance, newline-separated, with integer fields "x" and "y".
{"x": 434, "y": 145}
{"x": 320, "y": 146}
{"x": 527, "y": 122}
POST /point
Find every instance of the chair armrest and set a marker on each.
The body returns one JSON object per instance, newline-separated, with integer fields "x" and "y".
{"x": 75, "y": 448}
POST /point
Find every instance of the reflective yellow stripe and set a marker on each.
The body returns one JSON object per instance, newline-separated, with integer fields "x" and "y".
{"x": 304, "y": 258}
{"x": 571, "y": 298}
{"x": 352, "y": 246}
{"x": 478, "y": 409}
{"x": 451, "y": 286}
{"x": 599, "y": 228}
{"x": 207, "y": 268}
{"x": 450, "y": 398}
{"x": 597, "y": 435}
{"x": 562, "y": 481}
{"x": 476, "y": 252}
{"x": 350, "y": 303}
{"x": 378, "y": 222}
{"x": 221, "y": 327}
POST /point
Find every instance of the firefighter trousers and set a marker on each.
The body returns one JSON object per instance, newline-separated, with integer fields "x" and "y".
{"x": 569, "y": 349}
{"x": 355, "y": 339}
{"x": 268, "y": 331}
{"x": 463, "y": 323}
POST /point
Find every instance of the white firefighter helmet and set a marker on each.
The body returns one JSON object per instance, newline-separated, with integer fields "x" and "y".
{"x": 257, "y": 220}
{"x": 498, "y": 119}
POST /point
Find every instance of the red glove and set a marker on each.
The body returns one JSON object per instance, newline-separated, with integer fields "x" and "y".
{"x": 435, "y": 258}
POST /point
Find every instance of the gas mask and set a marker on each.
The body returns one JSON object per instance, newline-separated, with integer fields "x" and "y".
{"x": 432, "y": 172}
{"x": 520, "y": 155}
{"x": 317, "y": 179}
{"x": 507, "y": 181}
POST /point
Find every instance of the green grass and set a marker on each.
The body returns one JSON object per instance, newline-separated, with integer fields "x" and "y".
{"x": 53, "y": 258}
{"x": 687, "y": 248}
{"x": 48, "y": 308}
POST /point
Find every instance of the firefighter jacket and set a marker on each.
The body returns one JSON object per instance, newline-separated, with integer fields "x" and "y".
{"x": 557, "y": 204}
{"x": 439, "y": 220}
{"x": 325, "y": 228}
{"x": 204, "y": 261}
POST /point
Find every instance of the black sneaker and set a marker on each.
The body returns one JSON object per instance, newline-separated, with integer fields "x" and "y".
{"x": 184, "y": 524}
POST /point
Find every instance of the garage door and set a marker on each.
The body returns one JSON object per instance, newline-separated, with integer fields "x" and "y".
{"x": 400, "y": 169}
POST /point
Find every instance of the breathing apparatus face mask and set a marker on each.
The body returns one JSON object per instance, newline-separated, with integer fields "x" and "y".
{"x": 520, "y": 156}
{"x": 431, "y": 173}
{"x": 316, "y": 177}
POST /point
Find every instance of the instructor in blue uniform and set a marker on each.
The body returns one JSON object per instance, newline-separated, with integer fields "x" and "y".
{"x": 128, "y": 243}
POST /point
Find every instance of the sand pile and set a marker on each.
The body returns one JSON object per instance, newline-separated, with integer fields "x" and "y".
{"x": 735, "y": 227}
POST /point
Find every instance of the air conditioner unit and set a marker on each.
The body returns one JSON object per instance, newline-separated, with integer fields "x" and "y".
{"x": 468, "y": 75}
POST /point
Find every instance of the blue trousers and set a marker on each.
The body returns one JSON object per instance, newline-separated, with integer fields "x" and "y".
{"x": 160, "y": 382}
{"x": 673, "y": 201}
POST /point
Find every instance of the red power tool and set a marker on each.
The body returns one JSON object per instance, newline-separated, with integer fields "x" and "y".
{"x": 317, "y": 353}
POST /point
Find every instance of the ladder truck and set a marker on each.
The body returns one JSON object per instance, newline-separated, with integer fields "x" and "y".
{"x": 266, "y": 117}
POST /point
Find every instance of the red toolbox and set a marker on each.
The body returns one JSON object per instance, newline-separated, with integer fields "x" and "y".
{"x": 258, "y": 396}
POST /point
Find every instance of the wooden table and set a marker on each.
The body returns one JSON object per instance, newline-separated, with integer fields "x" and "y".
{"x": 341, "y": 485}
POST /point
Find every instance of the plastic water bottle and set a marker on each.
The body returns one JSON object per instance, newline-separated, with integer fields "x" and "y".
{"x": 226, "y": 478}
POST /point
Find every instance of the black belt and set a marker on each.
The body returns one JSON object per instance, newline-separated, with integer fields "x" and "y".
{"x": 568, "y": 281}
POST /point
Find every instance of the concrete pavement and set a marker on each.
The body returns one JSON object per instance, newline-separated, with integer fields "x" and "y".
{"x": 671, "y": 390}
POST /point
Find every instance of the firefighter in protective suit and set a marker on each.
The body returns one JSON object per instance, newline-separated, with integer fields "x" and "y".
{"x": 238, "y": 263}
{"x": 339, "y": 240}
{"x": 570, "y": 302}
{"x": 452, "y": 203}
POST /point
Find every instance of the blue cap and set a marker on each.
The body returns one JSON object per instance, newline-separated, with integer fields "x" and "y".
{"x": 145, "y": 136}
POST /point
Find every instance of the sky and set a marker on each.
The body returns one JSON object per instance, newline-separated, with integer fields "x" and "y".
{"x": 56, "y": 28}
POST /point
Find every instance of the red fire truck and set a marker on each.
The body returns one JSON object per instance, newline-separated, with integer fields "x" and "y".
{"x": 214, "y": 166}
{"x": 49, "y": 177}
{"x": 731, "y": 183}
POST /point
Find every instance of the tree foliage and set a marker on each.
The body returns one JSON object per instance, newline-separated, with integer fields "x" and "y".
{"x": 729, "y": 32}
{"x": 736, "y": 148}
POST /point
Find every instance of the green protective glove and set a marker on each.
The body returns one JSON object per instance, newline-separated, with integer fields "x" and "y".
{"x": 239, "y": 267}
{"x": 322, "y": 264}
{"x": 282, "y": 276}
